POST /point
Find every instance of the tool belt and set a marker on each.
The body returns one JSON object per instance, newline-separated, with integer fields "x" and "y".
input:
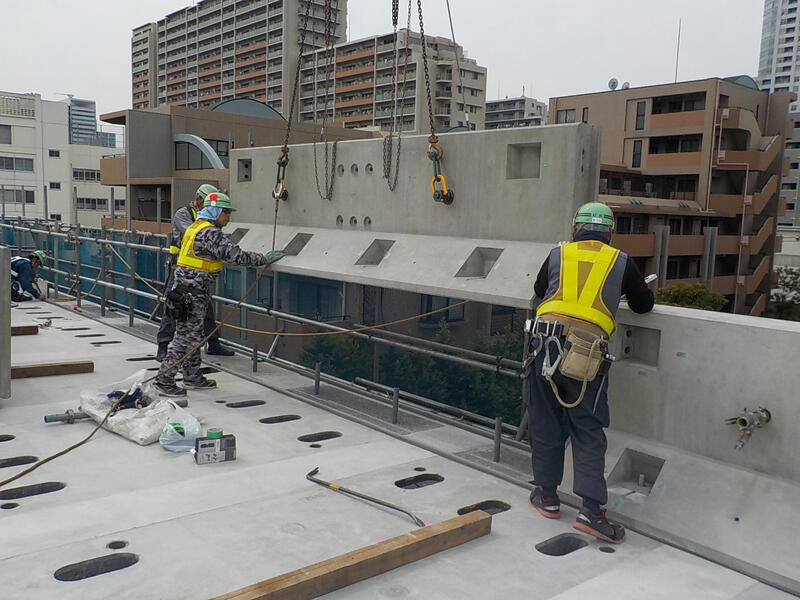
{"x": 179, "y": 301}
{"x": 579, "y": 351}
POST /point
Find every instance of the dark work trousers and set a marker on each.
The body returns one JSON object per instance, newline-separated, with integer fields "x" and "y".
{"x": 551, "y": 425}
{"x": 188, "y": 335}
{"x": 166, "y": 331}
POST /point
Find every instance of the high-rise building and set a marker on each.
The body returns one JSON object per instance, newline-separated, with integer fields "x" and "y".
{"x": 692, "y": 171}
{"x": 515, "y": 112}
{"x": 779, "y": 70}
{"x": 362, "y": 91}
{"x": 82, "y": 116}
{"x": 217, "y": 50}
{"x": 44, "y": 173}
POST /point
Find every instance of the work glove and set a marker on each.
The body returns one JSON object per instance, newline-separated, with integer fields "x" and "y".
{"x": 274, "y": 256}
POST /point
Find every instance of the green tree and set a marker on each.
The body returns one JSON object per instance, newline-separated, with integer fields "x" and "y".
{"x": 694, "y": 295}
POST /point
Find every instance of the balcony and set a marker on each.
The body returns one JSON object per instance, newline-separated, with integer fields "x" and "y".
{"x": 754, "y": 244}
{"x": 354, "y": 87}
{"x": 733, "y": 204}
{"x": 113, "y": 170}
{"x": 343, "y": 58}
{"x": 674, "y": 160}
{"x": 251, "y": 75}
{"x": 686, "y": 245}
{"x": 635, "y": 244}
{"x": 355, "y": 102}
{"x": 353, "y": 72}
{"x": 208, "y": 60}
{"x": 758, "y": 159}
{"x": 694, "y": 119}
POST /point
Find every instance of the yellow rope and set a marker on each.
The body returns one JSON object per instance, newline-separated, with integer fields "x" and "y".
{"x": 357, "y": 330}
{"x": 135, "y": 274}
{"x": 86, "y": 295}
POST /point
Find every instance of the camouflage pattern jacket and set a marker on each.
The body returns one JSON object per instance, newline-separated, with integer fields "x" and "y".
{"x": 211, "y": 243}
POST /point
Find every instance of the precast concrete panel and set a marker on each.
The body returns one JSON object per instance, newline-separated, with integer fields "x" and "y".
{"x": 5, "y": 322}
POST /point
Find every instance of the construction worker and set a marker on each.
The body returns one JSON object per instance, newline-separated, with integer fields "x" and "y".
{"x": 183, "y": 217}
{"x": 581, "y": 284}
{"x": 203, "y": 251}
{"x": 24, "y": 274}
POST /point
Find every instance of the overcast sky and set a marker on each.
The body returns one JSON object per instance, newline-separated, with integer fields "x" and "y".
{"x": 553, "y": 47}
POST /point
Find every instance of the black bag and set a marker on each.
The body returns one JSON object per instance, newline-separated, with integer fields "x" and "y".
{"x": 179, "y": 303}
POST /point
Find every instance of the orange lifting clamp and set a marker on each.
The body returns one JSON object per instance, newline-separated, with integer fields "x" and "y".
{"x": 435, "y": 153}
{"x": 280, "y": 192}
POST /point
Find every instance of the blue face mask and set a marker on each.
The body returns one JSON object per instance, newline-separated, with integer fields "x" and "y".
{"x": 210, "y": 212}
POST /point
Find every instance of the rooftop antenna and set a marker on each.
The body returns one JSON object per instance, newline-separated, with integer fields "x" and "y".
{"x": 678, "y": 50}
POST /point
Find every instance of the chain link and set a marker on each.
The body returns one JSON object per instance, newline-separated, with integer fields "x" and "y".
{"x": 391, "y": 181}
{"x": 425, "y": 65}
{"x": 330, "y": 166}
{"x": 296, "y": 76}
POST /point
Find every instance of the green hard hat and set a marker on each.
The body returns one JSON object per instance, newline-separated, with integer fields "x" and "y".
{"x": 595, "y": 213}
{"x": 204, "y": 190}
{"x": 40, "y": 255}
{"x": 218, "y": 199}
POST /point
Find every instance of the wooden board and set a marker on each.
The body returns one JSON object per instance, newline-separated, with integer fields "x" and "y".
{"x": 24, "y": 329}
{"x": 343, "y": 570}
{"x": 46, "y": 369}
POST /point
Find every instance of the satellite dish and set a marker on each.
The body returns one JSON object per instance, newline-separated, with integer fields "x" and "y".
{"x": 612, "y": 83}
{"x": 626, "y": 85}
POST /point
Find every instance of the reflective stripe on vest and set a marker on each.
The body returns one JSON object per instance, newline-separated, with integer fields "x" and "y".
{"x": 175, "y": 249}
{"x": 583, "y": 276}
{"x": 187, "y": 257}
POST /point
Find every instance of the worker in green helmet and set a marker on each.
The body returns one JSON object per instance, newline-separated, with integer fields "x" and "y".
{"x": 24, "y": 276}
{"x": 204, "y": 250}
{"x": 580, "y": 284}
{"x": 181, "y": 220}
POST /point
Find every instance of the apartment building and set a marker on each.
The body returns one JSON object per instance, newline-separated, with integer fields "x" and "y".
{"x": 355, "y": 89}
{"x": 692, "y": 171}
{"x": 217, "y": 50}
{"x": 42, "y": 174}
{"x": 515, "y": 112}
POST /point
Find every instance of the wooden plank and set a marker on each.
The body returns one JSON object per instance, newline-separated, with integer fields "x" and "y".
{"x": 46, "y": 369}
{"x": 343, "y": 570}
{"x": 24, "y": 329}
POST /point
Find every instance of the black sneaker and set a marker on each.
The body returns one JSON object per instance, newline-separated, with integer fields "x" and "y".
{"x": 599, "y": 526}
{"x": 200, "y": 384}
{"x": 218, "y": 350}
{"x": 171, "y": 390}
{"x": 547, "y": 507}
{"x": 162, "y": 351}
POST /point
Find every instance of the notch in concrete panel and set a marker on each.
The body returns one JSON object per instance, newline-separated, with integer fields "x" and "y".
{"x": 634, "y": 474}
{"x": 523, "y": 161}
{"x": 299, "y": 241}
{"x": 641, "y": 344}
{"x": 237, "y": 234}
{"x": 375, "y": 253}
{"x": 480, "y": 262}
{"x": 245, "y": 169}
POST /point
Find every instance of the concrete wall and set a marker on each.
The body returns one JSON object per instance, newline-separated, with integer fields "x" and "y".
{"x": 687, "y": 370}
{"x": 523, "y": 184}
{"x": 5, "y": 322}
{"x": 149, "y": 136}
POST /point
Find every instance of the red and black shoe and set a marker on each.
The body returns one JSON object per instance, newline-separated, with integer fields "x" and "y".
{"x": 599, "y": 526}
{"x": 547, "y": 507}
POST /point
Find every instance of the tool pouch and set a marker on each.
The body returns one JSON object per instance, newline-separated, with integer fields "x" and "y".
{"x": 179, "y": 303}
{"x": 584, "y": 356}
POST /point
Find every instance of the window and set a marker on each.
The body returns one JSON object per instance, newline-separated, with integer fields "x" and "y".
{"x": 690, "y": 144}
{"x": 119, "y": 204}
{"x": 565, "y": 116}
{"x": 430, "y": 303}
{"x": 55, "y": 185}
{"x": 502, "y": 320}
{"x": 55, "y": 216}
{"x": 17, "y": 196}
{"x": 640, "y": 109}
{"x": 221, "y": 148}
{"x": 10, "y": 163}
{"x": 585, "y": 115}
{"x": 789, "y": 186}
{"x": 623, "y": 225}
{"x": 636, "y": 161}
{"x": 54, "y": 153}
{"x": 85, "y": 174}
{"x": 92, "y": 204}
{"x": 5, "y": 134}
{"x": 790, "y": 206}
{"x": 188, "y": 156}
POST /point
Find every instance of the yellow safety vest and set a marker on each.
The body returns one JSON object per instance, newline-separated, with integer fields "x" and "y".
{"x": 176, "y": 249}
{"x": 583, "y": 275}
{"x": 187, "y": 257}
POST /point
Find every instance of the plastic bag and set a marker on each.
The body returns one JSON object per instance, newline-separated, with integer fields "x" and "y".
{"x": 140, "y": 425}
{"x": 180, "y": 431}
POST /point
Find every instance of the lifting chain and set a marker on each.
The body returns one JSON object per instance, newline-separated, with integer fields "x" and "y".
{"x": 391, "y": 180}
{"x": 280, "y": 192}
{"x": 438, "y": 183}
{"x": 326, "y": 193}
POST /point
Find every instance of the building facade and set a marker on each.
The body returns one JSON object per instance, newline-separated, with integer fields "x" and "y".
{"x": 515, "y": 112}
{"x": 42, "y": 174}
{"x": 692, "y": 171}
{"x": 217, "y": 50}
{"x": 360, "y": 89}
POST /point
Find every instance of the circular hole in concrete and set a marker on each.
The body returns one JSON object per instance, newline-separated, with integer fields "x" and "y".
{"x": 353, "y": 221}
{"x": 367, "y": 221}
{"x": 117, "y": 544}
{"x": 607, "y": 549}
{"x": 489, "y": 506}
{"x": 340, "y": 170}
{"x": 279, "y": 419}
{"x": 420, "y": 469}
{"x": 627, "y": 350}
{"x": 354, "y": 169}
{"x": 4, "y": 437}
{"x": 9, "y": 505}
{"x": 339, "y": 220}
{"x": 419, "y": 481}
{"x": 315, "y": 445}
{"x": 368, "y": 168}
{"x": 320, "y": 436}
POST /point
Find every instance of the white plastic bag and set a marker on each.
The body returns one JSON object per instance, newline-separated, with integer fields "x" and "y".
{"x": 142, "y": 425}
{"x": 180, "y": 431}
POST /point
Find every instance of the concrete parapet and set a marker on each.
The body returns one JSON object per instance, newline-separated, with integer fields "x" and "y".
{"x": 5, "y": 322}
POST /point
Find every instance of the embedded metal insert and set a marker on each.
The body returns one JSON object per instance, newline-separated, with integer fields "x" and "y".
{"x": 480, "y": 262}
{"x": 299, "y": 241}
{"x": 375, "y": 253}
